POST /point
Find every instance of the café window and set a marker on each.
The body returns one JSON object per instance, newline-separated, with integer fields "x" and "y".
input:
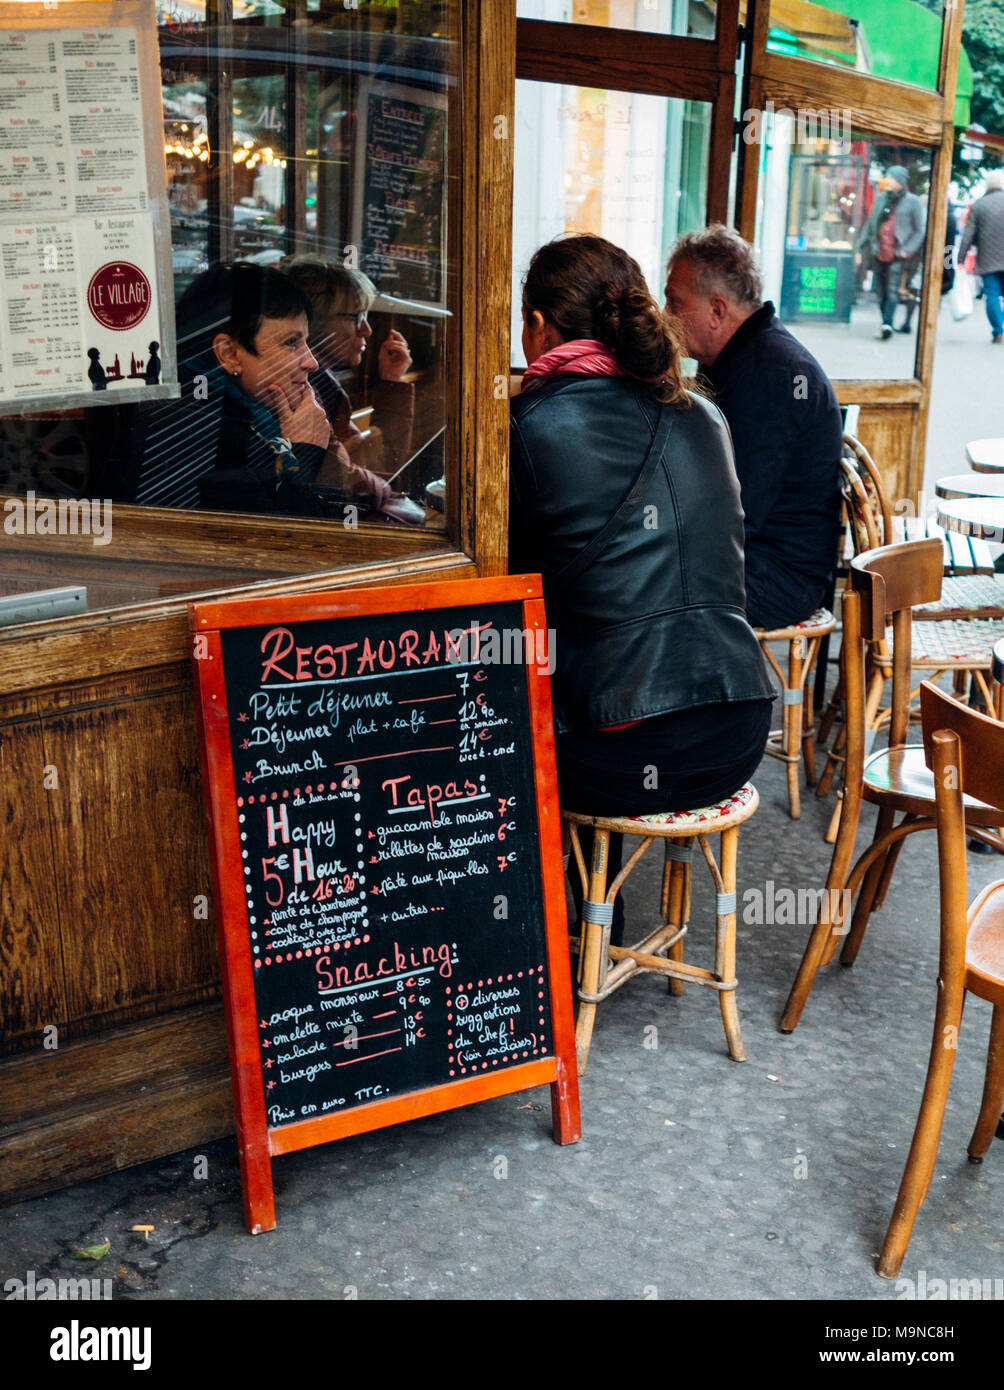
{"x": 310, "y": 147}
{"x": 624, "y": 165}
{"x": 841, "y": 235}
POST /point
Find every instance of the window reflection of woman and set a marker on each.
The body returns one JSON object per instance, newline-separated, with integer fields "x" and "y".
{"x": 341, "y": 299}
{"x": 244, "y": 333}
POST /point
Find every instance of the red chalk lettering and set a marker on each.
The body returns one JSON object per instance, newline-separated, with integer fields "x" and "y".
{"x": 266, "y": 875}
{"x": 368, "y": 658}
{"x": 324, "y": 663}
{"x": 392, "y": 782}
{"x": 276, "y": 645}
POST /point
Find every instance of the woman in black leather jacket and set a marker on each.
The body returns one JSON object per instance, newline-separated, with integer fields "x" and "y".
{"x": 625, "y": 498}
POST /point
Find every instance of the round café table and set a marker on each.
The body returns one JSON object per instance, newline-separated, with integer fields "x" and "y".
{"x": 982, "y": 517}
{"x": 986, "y": 455}
{"x": 962, "y": 485}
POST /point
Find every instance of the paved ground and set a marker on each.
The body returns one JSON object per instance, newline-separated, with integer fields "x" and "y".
{"x": 696, "y": 1176}
{"x": 967, "y": 398}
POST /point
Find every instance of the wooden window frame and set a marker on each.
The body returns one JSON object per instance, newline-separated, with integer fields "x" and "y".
{"x": 325, "y": 553}
{"x": 882, "y": 110}
{"x": 653, "y": 64}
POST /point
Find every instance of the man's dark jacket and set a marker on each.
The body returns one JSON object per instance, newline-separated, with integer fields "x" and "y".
{"x": 985, "y": 229}
{"x": 657, "y": 623}
{"x": 787, "y": 432}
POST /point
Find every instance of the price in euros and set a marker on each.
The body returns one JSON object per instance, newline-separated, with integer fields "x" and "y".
{"x": 504, "y": 860}
{"x": 476, "y": 709}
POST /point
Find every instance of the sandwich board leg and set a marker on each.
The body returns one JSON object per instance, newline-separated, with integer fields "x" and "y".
{"x": 256, "y": 1184}
{"x": 565, "y": 1122}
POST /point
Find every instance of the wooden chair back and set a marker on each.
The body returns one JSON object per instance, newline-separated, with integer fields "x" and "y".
{"x": 853, "y": 657}
{"x": 892, "y": 580}
{"x": 872, "y": 486}
{"x": 979, "y": 770}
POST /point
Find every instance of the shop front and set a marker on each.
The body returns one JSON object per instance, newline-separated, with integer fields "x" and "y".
{"x": 370, "y": 140}
{"x": 422, "y": 149}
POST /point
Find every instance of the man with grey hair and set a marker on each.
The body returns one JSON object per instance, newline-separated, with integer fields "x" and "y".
{"x": 784, "y": 418}
{"x": 985, "y": 231}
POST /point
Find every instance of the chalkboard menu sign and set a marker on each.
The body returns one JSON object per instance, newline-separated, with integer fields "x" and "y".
{"x": 380, "y": 782}
{"x": 400, "y": 205}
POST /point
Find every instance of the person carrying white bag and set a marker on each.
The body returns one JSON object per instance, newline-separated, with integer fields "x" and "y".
{"x": 985, "y": 231}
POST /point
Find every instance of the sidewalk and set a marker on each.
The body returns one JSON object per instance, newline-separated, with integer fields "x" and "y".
{"x": 696, "y": 1177}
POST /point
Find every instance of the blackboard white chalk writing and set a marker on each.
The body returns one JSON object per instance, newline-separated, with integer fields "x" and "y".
{"x": 382, "y": 875}
{"x": 401, "y": 232}
{"x": 388, "y": 836}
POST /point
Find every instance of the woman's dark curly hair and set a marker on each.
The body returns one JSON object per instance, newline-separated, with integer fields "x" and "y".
{"x": 588, "y": 288}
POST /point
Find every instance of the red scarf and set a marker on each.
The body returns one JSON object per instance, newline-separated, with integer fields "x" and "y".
{"x": 579, "y": 356}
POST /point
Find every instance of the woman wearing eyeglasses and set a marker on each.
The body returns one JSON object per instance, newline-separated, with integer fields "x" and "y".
{"x": 339, "y": 332}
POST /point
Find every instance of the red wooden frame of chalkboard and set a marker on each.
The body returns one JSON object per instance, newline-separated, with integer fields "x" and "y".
{"x": 257, "y": 1144}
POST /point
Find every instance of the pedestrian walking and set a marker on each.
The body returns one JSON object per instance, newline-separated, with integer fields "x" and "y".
{"x": 985, "y": 232}
{"x": 891, "y": 241}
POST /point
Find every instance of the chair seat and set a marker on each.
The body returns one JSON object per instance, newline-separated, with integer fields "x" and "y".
{"x": 966, "y": 644}
{"x": 900, "y": 777}
{"x": 985, "y": 944}
{"x": 818, "y": 624}
{"x": 733, "y": 810}
{"x": 965, "y": 597}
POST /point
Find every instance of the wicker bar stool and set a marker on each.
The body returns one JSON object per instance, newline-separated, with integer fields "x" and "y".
{"x": 603, "y": 968}
{"x": 793, "y": 742}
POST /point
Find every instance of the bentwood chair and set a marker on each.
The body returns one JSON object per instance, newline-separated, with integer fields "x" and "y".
{"x": 603, "y": 968}
{"x": 864, "y": 508}
{"x": 965, "y": 751}
{"x": 889, "y": 581}
{"x": 793, "y": 742}
{"x": 958, "y": 644}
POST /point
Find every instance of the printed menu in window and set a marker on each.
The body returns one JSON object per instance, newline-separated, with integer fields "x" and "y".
{"x": 80, "y": 215}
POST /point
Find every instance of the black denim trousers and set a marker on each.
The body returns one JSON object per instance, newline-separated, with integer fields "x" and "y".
{"x": 674, "y": 762}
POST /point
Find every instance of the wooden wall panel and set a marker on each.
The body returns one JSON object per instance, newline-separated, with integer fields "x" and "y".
{"x": 32, "y": 992}
{"x": 128, "y": 1096}
{"x": 130, "y": 851}
{"x": 888, "y": 433}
